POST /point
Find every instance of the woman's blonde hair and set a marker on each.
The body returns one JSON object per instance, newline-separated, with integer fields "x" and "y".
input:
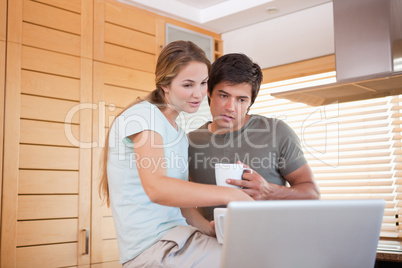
{"x": 172, "y": 59}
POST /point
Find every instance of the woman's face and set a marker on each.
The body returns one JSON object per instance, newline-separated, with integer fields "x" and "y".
{"x": 188, "y": 88}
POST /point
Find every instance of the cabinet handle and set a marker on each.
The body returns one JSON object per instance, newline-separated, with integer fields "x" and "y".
{"x": 86, "y": 241}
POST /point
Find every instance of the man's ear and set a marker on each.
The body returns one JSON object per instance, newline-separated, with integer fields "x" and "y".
{"x": 208, "y": 94}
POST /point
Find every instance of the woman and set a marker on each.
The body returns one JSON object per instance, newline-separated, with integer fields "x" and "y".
{"x": 145, "y": 171}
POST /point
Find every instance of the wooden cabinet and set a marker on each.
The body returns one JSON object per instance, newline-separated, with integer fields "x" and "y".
{"x": 47, "y": 173}
{"x": 218, "y": 48}
{"x": 67, "y": 68}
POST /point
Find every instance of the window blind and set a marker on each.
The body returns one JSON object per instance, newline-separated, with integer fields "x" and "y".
{"x": 354, "y": 148}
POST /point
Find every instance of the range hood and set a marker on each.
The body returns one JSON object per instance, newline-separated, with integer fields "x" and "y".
{"x": 368, "y": 54}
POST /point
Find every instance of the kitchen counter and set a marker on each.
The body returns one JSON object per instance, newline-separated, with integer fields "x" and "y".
{"x": 391, "y": 256}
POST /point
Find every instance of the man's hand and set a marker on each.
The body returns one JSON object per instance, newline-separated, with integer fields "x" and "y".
{"x": 301, "y": 181}
{"x": 253, "y": 184}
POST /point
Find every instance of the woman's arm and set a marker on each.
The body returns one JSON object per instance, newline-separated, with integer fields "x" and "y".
{"x": 174, "y": 192}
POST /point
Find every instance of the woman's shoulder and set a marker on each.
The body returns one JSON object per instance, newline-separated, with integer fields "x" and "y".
{"x": 142, "y": 107}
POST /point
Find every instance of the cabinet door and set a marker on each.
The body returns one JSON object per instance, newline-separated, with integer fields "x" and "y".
{"x": 125, "y": 55}
{"x": 71, "y": 66}
{"x": 3, "y": 30}
{"x": 47, "y": 174}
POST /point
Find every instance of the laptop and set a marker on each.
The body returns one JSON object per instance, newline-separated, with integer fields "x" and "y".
{"x": 302, "y": 233}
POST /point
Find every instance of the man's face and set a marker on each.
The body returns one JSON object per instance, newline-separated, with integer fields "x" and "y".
{"x": 228, "y": 105}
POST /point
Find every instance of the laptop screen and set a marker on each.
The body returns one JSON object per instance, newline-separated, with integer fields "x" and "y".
{"x": 302, "y": 233}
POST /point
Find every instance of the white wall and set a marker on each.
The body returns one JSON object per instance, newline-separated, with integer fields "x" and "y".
{"x": 298, "y": 36}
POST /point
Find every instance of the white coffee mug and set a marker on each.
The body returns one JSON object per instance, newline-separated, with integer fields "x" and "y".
{"x": 219, "y": 219}
{"x": 224, "y": 171}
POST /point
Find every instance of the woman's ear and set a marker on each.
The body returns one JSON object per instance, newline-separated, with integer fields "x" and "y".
{"x": 165, "y": 88}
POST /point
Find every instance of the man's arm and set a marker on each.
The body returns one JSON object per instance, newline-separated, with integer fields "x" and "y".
{"x": 302, "y": 185}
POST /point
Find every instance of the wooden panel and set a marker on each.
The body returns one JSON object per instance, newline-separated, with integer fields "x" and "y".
{"x": 46, "y": 232}
{"x": 2, "y": 90}
{"x": 50, "y": 62}
{"x": 298, "y": 69}
{"x": 32, "y": 207}
{"x": 60, "y": 255}
{"x": 129, "y": 58}
{"x": 111, "y": 115}
{"x": 106, "y": 211}
{"x": 108, "y": 229}
{"x": 129, "y": 17}
{"x": 114, "y": 9}
{"x": 97, "y": 136}
{"x": 49, "y": 109}
{"x": 122, "y": 97}
{"x": 49, "y": 157}
{"x": 52, "y": 17}
{"x": 85, "y": 151}
{"x": 99, "y": 30}
{"x": 50, "y": 39}
{"x": 14, "y": 21}
{"x": 74, "y": 6}
{"x": 129, "y": 38}
{"x": 48, "y": 182}
{"x": 160, "y": 36}
{"x": 11, "y": 150}
{"x": 34, "y": 83}
{"x": 3, "y": 22}
{"x": 87, "y": 30}
{"x": 110, "y": 250}
{"x": 120, "y": 76}
{"x": 113, "y": 264}
{"x": 46, "y": 133}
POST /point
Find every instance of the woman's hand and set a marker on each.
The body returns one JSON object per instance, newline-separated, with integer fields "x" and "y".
{"x": 212, "y": 224}
{"x": 194, "y": 218}
{"x": 209, "y": 229}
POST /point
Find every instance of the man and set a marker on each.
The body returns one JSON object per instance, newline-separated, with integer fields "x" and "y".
{"x": 266, "y": 145}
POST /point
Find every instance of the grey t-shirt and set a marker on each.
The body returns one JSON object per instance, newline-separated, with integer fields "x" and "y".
{"x": 268, "y": 145}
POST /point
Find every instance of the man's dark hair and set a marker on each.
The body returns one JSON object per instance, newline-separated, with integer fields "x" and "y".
{"x": 234, "y": 69}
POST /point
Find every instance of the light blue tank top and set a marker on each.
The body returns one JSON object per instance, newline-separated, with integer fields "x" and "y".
{"x": 139, "y": 223}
